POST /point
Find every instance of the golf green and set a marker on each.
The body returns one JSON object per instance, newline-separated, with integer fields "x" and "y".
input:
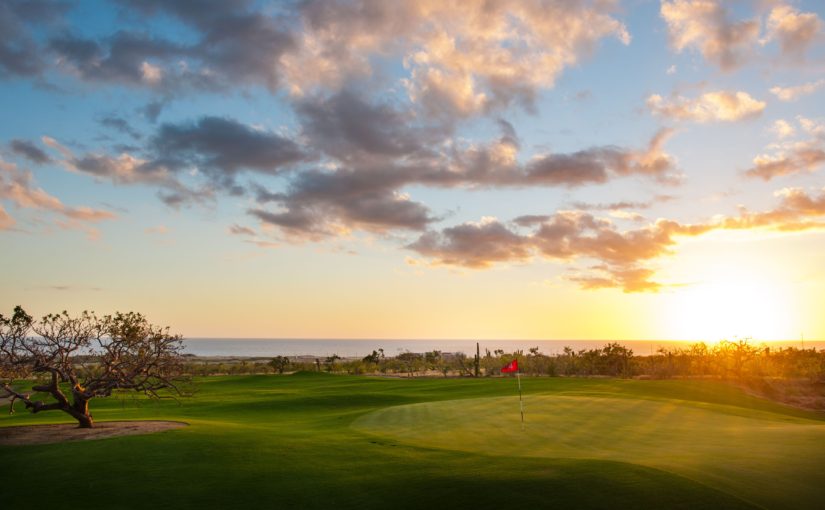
{"x": 767, "y": 458}
{"x": 326, "y": 441}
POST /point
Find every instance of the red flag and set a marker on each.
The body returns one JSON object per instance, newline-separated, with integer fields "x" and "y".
{"x": 510, "y": 367}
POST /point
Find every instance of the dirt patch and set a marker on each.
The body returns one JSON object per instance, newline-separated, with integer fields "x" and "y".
{"x": 43, "y": 434}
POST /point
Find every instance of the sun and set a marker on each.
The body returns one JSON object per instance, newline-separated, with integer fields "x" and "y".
{"x": 733, "y": 301}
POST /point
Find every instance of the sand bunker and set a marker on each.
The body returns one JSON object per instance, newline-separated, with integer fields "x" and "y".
{"x": 42, "y": 434}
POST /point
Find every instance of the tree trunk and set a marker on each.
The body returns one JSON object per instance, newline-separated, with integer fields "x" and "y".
{"x": 80, "y": 412}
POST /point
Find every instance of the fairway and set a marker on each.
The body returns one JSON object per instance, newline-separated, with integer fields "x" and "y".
{"x": 326, "y": 441}
{"x": 763, "y": 457}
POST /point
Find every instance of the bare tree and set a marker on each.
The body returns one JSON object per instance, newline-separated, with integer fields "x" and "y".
{"x": 86, "y": 357}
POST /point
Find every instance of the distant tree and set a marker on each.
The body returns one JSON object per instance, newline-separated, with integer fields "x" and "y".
{"x": 616, "y": 360}
{"x": 88, "y": 356}
{"x": 411, "y": 361}
{"x": 330, "y": 362}
{"x": 279, "y": 363}
{"x": 375, "y": 357}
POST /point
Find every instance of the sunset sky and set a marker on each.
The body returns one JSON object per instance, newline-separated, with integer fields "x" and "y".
{"x": 418, "y": 169}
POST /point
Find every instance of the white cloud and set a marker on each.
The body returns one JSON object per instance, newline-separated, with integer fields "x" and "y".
{"x": 782, "y": 129}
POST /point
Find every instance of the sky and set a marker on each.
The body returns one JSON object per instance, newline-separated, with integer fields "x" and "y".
{"x": 513, "y": 169}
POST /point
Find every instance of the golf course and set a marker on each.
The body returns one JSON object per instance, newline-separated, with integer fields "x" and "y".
{"x": 311, "y": 440}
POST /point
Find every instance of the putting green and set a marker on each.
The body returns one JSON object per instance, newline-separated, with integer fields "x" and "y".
{"x": 769, "y": 459}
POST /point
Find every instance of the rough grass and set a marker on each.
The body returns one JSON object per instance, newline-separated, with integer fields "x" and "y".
{"x": 316, "y": 441}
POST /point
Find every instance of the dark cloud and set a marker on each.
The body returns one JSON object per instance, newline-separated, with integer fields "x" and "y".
{"x": 121, "y": 125}
{"x": 222, "y": 147}
{"x": 622, "y": 256}
{"x": 236, "y": 43}
{"x": 128, "y": 170}
{"x": 565, "y": 236}
{"x": 530, "y": 220}
{"x": 241, "y": 230}
{"x": 20, "y": 55}
{"x": 367, "y": 194}
{"x": 29, "y": 151}
{"x": 496, "y": 165}
{"x": 319, "y": 204}
{"x": 349, "y": 128}
{"x": 152, "y": 110}
{"x": 474, "y": 245}
{"x": 124, "y": 57}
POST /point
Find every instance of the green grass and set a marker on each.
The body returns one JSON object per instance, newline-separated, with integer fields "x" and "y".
{"x": 319, "y": 441}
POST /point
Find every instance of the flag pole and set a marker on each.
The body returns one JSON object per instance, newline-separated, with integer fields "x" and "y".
{"x": 520, "y": 400}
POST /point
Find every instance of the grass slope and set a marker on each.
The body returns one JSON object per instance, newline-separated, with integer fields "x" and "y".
{"x": 318, "y": 441}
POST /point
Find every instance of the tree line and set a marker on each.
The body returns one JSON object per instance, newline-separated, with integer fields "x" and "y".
{"x": 727, "y": 359}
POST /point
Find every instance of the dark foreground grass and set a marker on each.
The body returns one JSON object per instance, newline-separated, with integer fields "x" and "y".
{"x": 289, "y": 442}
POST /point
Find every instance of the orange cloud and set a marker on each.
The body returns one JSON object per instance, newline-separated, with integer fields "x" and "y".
{"x": 705, "y": 25}
{"x": 791, "y": 157}
{"x": 794, "y": 93}
{"x": 6, "y": 221}
{"x": 463, "y": 57}
{"x": 623, "y": 256}
{"x": 794, "y": 30}
{"x": 719, "y": 106}
{"x": 18, "y": 187}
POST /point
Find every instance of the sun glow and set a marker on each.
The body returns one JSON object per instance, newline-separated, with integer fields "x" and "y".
{"x": 735, "y": 302}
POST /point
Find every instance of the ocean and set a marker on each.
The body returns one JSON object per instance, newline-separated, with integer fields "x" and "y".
{"x": 358, "y": 348}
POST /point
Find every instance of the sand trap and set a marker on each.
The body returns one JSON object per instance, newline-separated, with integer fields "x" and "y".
{"x": 43, "y": 434}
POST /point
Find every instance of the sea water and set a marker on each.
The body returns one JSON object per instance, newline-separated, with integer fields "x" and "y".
{"x": 358, "y": 348}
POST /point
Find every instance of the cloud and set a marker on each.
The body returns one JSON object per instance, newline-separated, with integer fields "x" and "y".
{"x": 618, "y": 206}
{"x": 705, "y": 25}
{"x": 241, "y": 230}
{"x": 794, "y": 30}
{"x": 623, "y": 256}
{"x": 565, "y": 236}
{"x": 719, "y": 106}
{"x": 797, "y": 210}
{"x": 119, "y": 58}
{"x": 633, "y": 279}
{"x": 474, "y": 245}
{"x": 794, "y": 93}
{"x": 126, "y": 169}
{"x": 20, "y": 54}
{"x": 29, "y": 151}
{"x": 6, "y": 221}
{"x": 320, "y": 204}
{"x": 463, "y": 58}
{"x": 782, "y": 129}
{"x": 119, "y": 124}
{"x": 796, "y": 160}
{"x": 348, "y": 128}
{"x": 222, "y": 147}
{"x": 17, "y": 186}
{"x": 496, "y": 165}
{"x": 792, "y": 157}
{"x": 239, "y": 44}
{"x": 368, "y": 194}
{"x": 158, "y": 229}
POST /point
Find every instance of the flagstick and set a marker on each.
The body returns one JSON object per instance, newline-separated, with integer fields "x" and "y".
{"x": 520, "y": 400}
